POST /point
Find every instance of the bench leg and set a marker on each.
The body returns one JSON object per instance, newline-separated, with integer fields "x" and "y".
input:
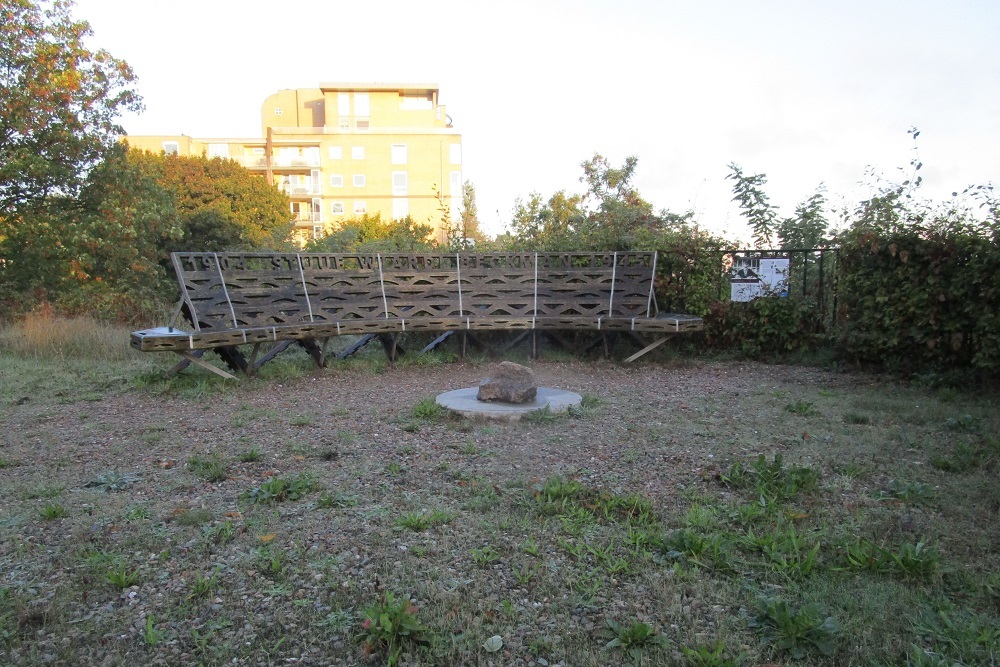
{"x": 649, "y": 348}
{"x": 437, "y": 341}
{"x": 272, "y": 353}
{"x": 357, "y": 345}
{"x": 197, "y": 360}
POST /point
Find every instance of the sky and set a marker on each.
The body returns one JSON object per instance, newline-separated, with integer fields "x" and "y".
{"x": 807, "y": 92}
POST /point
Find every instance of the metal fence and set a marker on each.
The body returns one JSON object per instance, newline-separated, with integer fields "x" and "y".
{"x": 810, "y": 273}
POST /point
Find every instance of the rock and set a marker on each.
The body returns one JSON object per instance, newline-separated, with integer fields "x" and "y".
{"x": 510, "y": 383}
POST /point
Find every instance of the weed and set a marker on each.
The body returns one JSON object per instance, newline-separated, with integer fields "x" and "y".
{"x": 795, "y": 631}
{"x": 394, "y": 469}
{"x": 771, "y": 481}
{"x": 964, "y": 458}
{"x": 9, "y": 463}
{"x": 301, "y": 420}
{"x": 787, "y": 552}
{"x": 138, "y": 513}
{"x": 542, "y": 415}
{"x": 52, "y": 511}
{"x": 857, "y": 418}
{"x": 632, "y": 639}
{"x": 964, "y": 637}
{"x": 530, "y": 547}
{"x": 915, "y": 561}
{"x": 525, "y": 573}
{"x": 221, "y": 533}
{"x": 112, "y": 481}
{"x": 914, "y": 493}
{"x": 422, "y": 520}
{"x": 122, "y": 576}
{"x": 337, "y": 621}
{"x": 389, "y": 626}
{"x": 152, "y": 635}
{"x": 428, "y": 409}
{"x": 43, "y": 491}
{"x": 708, "y": 656}
{"x": 689, "y": 547}
{"x": 193, "y": 517}
{"x": 202, "y": 586}
{"x": 800, "y": 407}
{"x": 210, "y": 469}
{"x": 250, "y": 456}
{"x": 487, "y": 555}
{"x": 279, "y": 489}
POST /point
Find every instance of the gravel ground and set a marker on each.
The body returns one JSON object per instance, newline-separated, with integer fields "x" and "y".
{"x": 291, "y": 577}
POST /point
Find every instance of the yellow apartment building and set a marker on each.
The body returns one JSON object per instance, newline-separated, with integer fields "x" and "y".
{"x": 345, "y": 149}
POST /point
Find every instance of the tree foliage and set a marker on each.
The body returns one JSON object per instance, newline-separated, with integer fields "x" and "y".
{"x": 222, "y": 206}
{"x": 61, "y": 102}
{"x": 370, "y": 233}
{"x": 100, "y": 253}
{"x": 761, "y": 215}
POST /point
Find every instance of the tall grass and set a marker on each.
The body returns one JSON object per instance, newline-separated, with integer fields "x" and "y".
{"x": 43, "y": 335}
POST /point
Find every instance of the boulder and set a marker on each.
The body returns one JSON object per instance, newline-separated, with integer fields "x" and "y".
{"x": 510, "y": 383}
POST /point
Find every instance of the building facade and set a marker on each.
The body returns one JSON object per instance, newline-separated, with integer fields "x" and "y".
{"x": 345, "y": 149}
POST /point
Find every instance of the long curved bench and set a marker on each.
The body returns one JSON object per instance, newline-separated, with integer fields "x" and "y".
{"x": 233, "y": 299}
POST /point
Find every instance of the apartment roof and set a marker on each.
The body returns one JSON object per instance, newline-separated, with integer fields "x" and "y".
{"x": 385, "y": 87}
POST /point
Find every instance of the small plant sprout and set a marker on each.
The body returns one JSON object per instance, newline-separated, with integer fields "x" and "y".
{"x": 388, "y": 626}
{"x": 632, "y": 639}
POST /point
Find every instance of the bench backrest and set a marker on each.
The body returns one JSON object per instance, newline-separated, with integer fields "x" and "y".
{"x": 233, "y": 290}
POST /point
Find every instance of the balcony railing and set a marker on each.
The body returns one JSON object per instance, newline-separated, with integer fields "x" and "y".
{"x": 277, "y": 162}
{"x": 299, "y": 190}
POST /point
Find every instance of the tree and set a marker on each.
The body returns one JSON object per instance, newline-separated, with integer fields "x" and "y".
{"x": 100, "y": 252}
{"x": 470, "y": 214}
{"x": 808, "y": 228}
{"x": 756, "y": 205}
{"x": 222, "y": 205}
{"x": 60, "y": 100}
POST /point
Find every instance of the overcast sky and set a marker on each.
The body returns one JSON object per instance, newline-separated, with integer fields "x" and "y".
{"x": 802, "y": 90}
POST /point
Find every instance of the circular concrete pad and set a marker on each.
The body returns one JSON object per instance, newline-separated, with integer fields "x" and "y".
{"x": 464, "y": 402}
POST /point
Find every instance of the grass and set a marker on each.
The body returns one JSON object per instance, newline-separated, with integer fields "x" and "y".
{"x": 714, "y": 535}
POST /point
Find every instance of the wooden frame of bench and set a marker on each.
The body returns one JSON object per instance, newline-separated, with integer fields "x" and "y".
{"x": 236, "y": 299}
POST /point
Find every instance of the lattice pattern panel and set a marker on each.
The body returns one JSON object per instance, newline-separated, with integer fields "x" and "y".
{"x": 248, "y": 290}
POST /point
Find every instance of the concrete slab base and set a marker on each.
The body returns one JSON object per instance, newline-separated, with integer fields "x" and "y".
{"x": 464, "y": 402}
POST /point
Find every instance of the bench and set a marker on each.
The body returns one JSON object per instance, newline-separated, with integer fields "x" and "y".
{"x": 229, "y": 300}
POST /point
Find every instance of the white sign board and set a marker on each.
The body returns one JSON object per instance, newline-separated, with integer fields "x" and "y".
{"x": 759, "y": 276}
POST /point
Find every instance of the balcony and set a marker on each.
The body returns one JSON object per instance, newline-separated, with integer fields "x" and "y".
{"x": 278, "y": 161}
{"x": 299, "y": 190}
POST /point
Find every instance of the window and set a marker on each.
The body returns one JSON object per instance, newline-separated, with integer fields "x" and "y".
{"x": 218, "y": 150}
{"x": 343, "y": 104}
{"x": 362, "y": 106}
{"x": 399, "y": 153}
{"x": 256, "y": 151}
{"x": 359, "y": 180}
{"x": 362, "y": 124}
{"x": 400, "y": 207}
{"x": 344, "y": 123}
{"x": 314, "y": 182}
{"x": 336, "y": 153}
{"x": 360, "y": 208}
{"x": 171, "y": 148}
{"x": 455, "y": 153}
{"x": 399, "y": 183}
{"x": 337, "y": 208}
{"x": 357, "y": 152}
{"x": 317, "y": 209}
{"x": 336, "y": 180}
{"x": 318, "y": 231}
